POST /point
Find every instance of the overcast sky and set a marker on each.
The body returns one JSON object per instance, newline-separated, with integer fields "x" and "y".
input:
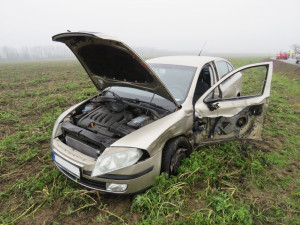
{"x": 231, "y": 26}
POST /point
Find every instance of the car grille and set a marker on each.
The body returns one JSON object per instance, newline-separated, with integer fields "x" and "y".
{"x": 82, "y": 147}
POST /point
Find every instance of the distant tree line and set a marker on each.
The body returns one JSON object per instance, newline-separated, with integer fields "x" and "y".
{"x": 8, "y": 54}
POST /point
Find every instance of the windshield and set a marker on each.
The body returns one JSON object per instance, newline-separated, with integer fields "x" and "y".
{"x": 177, "y": 78}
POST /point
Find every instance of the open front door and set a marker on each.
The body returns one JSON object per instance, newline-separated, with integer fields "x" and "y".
{"x": 235, "y": 107}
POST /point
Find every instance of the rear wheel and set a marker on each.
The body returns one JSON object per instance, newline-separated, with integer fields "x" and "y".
{"x": 174, "y": 152}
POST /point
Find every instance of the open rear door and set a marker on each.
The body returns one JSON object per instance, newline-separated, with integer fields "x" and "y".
{"x": 234, "y": 108}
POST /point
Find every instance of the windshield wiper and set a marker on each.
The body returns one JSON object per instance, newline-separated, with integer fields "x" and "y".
{"x": 115, "y": 95}
{"x": 136, "y": 100}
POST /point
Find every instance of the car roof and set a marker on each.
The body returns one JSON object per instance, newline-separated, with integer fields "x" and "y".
{"x": 184, "y": 60}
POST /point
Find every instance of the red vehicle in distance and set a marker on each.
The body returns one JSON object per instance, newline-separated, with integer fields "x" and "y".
{"x": 282, "y": 55}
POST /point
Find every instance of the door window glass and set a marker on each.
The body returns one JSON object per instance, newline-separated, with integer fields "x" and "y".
{"x": 230, "y": 67}
{"x": 222, "y": 68}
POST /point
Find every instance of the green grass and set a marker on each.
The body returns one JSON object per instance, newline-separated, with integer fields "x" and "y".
{"x": 231, "y": 183}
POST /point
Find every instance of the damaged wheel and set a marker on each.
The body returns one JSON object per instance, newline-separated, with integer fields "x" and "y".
{"x": 174, "y": 152}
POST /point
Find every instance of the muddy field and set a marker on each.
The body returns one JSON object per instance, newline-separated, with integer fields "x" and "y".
{"x": 232, "y": 183}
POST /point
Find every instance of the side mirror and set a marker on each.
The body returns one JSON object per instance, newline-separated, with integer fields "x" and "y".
{"x": 213, "y": 106}
{"x": 212, "y": 103}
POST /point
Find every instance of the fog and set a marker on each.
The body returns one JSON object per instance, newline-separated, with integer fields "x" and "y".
{"x": 228, "y": 27}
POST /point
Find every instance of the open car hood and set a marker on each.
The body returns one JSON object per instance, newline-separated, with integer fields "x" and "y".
{"x": 110, "y": 62}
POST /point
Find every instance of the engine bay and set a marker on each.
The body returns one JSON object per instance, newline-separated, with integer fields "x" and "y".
{"x": 102, "y": 120}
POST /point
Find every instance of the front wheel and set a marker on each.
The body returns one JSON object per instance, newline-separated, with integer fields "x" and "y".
{"x": 174, "y": 152}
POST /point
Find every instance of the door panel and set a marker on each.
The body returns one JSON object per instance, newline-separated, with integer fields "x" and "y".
{"x": 230, "y": 116}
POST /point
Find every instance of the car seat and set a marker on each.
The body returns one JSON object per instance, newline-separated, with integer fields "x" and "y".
{"x": 203, "y": 84}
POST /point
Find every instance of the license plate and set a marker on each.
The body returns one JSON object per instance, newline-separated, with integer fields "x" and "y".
{"x": 74, "y": 170}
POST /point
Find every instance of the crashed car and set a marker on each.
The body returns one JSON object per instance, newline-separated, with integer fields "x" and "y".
{"x": 150, "y": 115}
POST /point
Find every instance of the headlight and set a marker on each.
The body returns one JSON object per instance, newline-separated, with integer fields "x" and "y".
{"x": 111, "y": 162}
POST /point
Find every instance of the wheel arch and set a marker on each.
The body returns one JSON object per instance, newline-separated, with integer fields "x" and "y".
{"x": 180, "y": 141}
{"x": 177, "y": 137}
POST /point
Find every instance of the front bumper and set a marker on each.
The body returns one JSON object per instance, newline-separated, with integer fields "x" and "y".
{"x": 138, "y": 177}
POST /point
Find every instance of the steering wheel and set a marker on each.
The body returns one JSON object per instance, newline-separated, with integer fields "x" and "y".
{"x": 177, "y": 91}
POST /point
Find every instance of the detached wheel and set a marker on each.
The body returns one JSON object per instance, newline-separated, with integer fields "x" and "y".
{"x": 174, "y": 152}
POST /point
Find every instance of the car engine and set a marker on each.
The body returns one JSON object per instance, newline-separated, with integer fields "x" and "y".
{"x": 100, "y": 122}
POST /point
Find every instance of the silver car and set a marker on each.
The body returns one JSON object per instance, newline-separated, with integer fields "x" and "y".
{"x": 150, "y": 115}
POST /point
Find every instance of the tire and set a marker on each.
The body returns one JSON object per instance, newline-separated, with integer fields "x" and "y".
{"x": 174, "y": 152}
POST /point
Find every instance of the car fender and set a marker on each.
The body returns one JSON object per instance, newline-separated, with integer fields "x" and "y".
{"x": 153, "y": 136}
